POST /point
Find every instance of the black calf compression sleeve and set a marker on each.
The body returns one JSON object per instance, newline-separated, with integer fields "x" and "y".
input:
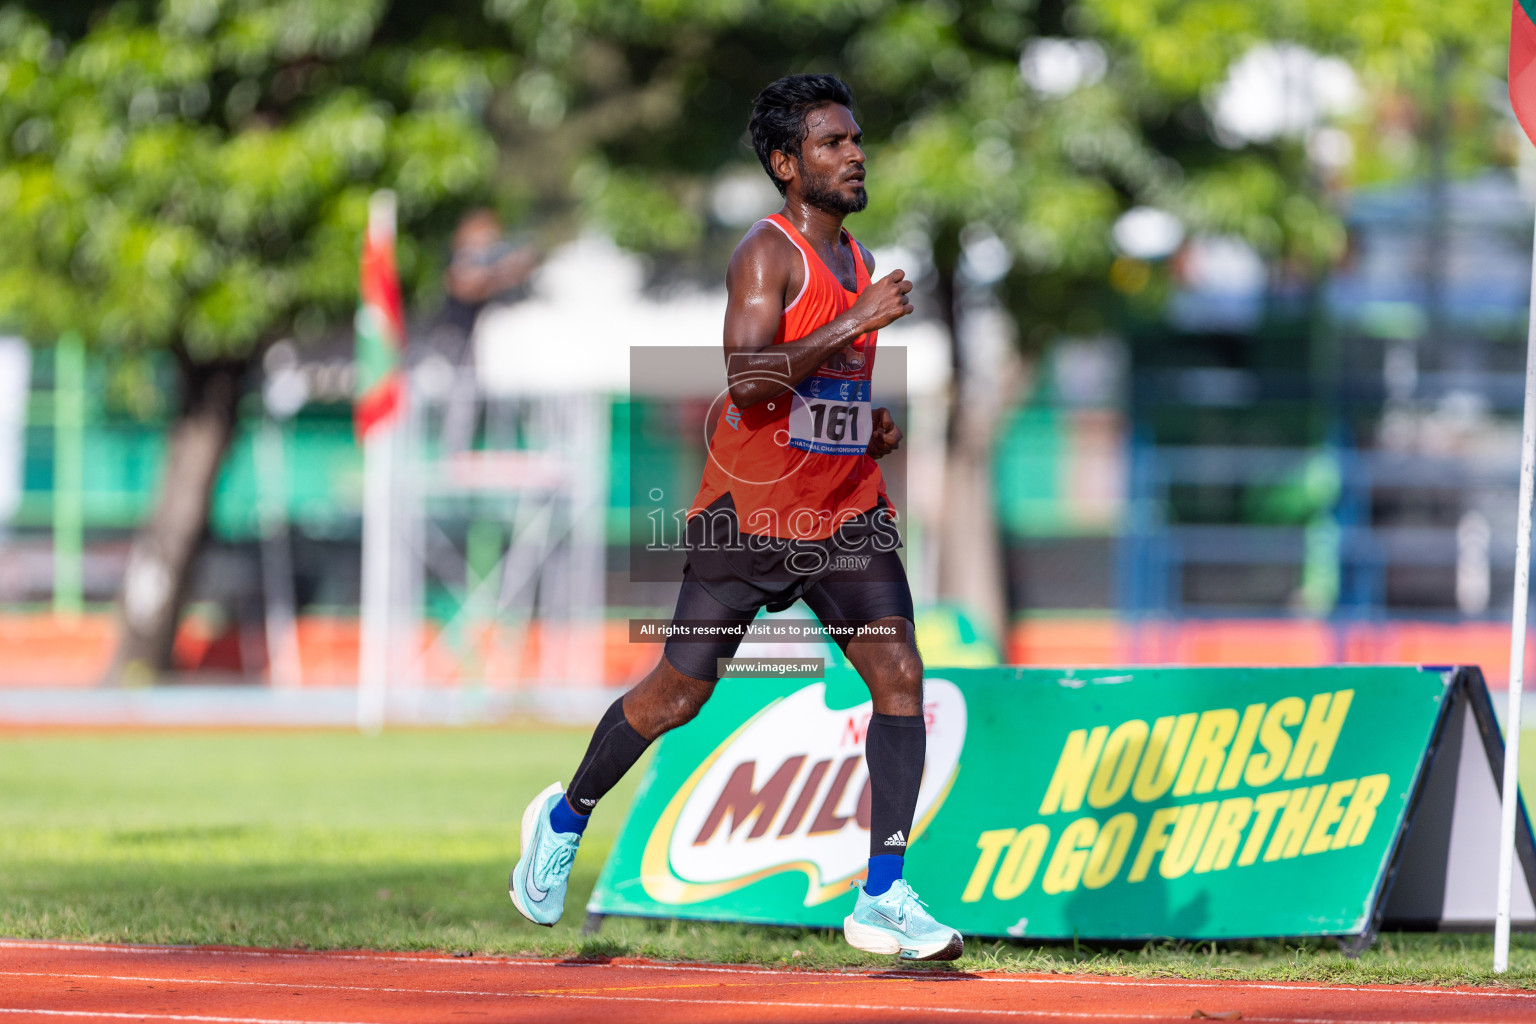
{"x": 614, "y": 749}
{"x": 894, "y": 747}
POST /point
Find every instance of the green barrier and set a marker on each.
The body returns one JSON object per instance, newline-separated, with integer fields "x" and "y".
{"x": 1208, "y": 803}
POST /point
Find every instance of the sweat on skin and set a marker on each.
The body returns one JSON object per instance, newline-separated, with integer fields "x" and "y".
{"x": 1171, "y": 762}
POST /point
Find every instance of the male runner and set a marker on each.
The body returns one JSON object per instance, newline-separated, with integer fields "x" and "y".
{"x": 791, "y": 484}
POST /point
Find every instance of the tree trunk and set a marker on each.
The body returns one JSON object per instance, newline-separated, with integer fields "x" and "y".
{"x": 160, "y": 560}
{"x": 971, "y": 572}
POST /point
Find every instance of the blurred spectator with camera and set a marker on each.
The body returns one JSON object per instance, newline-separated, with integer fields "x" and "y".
{"x": 485, "y": 266}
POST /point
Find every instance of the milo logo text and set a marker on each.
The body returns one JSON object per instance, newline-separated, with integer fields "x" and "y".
{"x": 790, "y": 791}
{"x": 739, "y": 803}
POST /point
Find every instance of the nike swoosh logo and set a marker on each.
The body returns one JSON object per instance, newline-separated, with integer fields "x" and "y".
{"x": 899, "y": 922}
{"x": 534, "y": 892}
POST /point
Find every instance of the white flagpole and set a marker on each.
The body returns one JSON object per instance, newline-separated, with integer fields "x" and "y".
{"x": 1511, "y": 794}
{"x": 378, "y": 533}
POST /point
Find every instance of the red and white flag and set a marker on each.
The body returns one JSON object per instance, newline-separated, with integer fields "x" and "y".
{"x": 1522, "y": 64}
{"x": 380, "y": 324}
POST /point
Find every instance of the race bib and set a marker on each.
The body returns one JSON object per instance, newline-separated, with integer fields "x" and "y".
{"x": 830, "y": 416}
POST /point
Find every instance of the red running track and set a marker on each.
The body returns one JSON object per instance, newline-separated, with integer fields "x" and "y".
{"x": 57, "y": 982}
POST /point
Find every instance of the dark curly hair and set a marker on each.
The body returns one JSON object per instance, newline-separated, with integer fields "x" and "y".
{"x": 778, "y": 114}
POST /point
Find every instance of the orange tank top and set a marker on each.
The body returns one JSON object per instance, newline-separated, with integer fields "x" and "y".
{"x": 795, "y": 464}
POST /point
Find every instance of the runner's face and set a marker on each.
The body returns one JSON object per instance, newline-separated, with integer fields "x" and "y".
{"x": 831, "y": 161}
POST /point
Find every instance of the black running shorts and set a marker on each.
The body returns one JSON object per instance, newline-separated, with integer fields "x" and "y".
{"x": 852, "y": 580}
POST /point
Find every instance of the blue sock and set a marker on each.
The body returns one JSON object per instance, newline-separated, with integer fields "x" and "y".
{"x": 563, "y": 819}
{"x": 883, "y": 870}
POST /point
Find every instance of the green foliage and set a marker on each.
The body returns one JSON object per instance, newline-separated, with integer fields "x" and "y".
{"x": 1186, "y": 45}
{"x": 198, "y": 178}
{"x": 659, "y": 91}
{"x": 195, "y": 171}
{"x": 638, "y": 211}
{"x": 1412, "y": 56}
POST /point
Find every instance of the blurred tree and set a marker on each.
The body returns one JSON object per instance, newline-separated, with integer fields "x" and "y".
{"x": 195, "y": 180}
{"x": 1014, "y": 130}
{"x": 629, "y": 115}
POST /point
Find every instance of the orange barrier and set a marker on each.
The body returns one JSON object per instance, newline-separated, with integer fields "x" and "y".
{"x": 1108, "y": 641}
{"x": 41, "y": 650}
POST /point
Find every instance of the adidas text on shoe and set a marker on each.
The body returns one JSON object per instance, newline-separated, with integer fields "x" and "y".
{"x": 538, "y": 882}
{"x": 897, "y": 922}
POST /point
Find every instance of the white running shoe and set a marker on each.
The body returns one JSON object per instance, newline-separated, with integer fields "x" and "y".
{"x": 896, "y": 921}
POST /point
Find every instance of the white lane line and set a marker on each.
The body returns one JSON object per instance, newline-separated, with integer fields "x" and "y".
{"x": 1064, "y": 1015}
{"x": 1238, "y": 985}
{"x": 492, "y": 993}
{"x": 281, "y": 954}
{"x": 1233, "y": 984}
{"x": 172, "y": 1016}
{"x": 713, "y": 999}
{"x": 878, "y": 974}
{"x": 1058, "y": 1015}
{"x": 392, "y": 989}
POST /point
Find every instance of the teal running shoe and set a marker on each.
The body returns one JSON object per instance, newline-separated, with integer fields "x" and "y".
{"x": 538, "y": 882}
{"x": 897, "y": 922}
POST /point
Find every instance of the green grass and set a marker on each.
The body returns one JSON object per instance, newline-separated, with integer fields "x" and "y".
{"x": 330, "y": 840}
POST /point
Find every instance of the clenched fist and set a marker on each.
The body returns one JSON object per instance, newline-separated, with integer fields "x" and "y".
{"x": 886, "y": 436}
{"x": 883, "y": 302}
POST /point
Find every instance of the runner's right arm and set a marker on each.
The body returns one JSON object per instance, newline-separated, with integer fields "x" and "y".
{"x": 757, "y": 285}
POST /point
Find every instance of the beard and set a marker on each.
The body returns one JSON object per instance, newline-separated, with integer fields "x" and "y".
{"x": 824, "y": 194}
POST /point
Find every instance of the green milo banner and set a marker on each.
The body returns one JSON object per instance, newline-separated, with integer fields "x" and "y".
{"x": 1202, "y": 803}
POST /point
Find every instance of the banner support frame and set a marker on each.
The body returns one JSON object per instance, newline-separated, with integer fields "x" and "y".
{"x": 1467, "y": 683}
{"x": 1353, "y": 945}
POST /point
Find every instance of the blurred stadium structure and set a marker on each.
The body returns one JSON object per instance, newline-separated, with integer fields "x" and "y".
{"x": 1130, "y": 536}
{"x": 1256, "y": 468}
